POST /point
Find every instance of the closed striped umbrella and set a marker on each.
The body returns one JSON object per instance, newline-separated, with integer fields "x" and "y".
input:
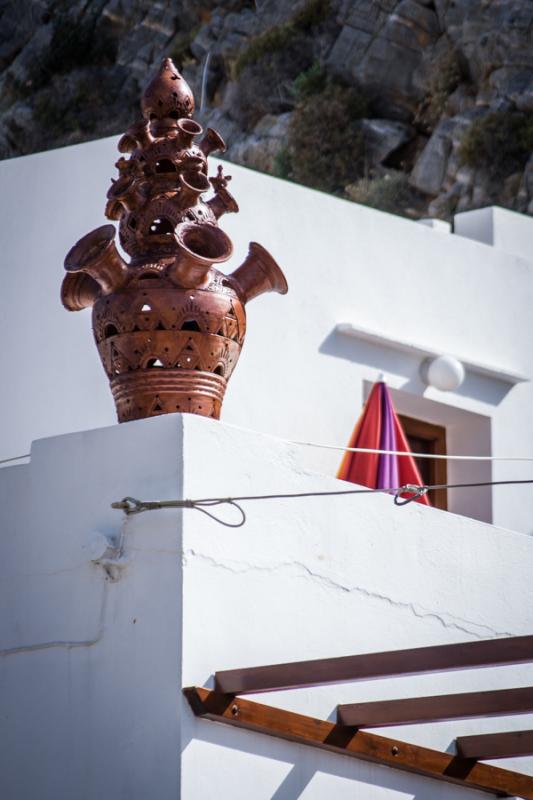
{"x": 378, "y": 428}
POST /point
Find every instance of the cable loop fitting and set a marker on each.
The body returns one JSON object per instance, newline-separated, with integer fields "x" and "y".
{"x": 130, "y": 505}
{"x": 409, "y": 488}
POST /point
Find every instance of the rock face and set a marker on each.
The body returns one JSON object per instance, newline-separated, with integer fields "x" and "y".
{"x": 260, "y": 149}
{"x": 438, "y": 91}
{"x": 381, "y": 47}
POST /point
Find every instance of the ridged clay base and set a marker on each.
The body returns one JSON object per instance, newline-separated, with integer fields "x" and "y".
{"x": 150, "y": 392}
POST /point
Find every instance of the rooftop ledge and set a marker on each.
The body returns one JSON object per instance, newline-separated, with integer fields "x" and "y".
{"x": 494, "y": 372}
{"x": 497, "y": 227}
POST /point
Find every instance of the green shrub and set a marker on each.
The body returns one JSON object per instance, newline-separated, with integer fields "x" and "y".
{"x": 77, "y": 113}
{"x": 312, "y": 14}
{"x": 311, "y": 81}
{"x": 282, "y": 167}
{"x": 75, "y": 43}
{"x": 181, "y": 47}
{"x": 390, "y": 192}
{"x": 500, "y": 141}
{"x": 265, "y": 87}
{"x": 445, "y": 78}
{"x": 280, "y": 36}
{"x": 74, "y": 107}
{"x": 274, "y": 39}
{"x": 325, "y": 139}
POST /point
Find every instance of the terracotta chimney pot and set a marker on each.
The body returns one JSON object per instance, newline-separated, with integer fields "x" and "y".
{"x": 168, "y": 325}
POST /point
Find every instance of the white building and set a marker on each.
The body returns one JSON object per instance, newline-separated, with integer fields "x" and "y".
{"x": 94, "y": 659}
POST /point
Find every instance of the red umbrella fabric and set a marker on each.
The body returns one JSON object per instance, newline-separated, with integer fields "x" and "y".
{"x": 379, "y": 428}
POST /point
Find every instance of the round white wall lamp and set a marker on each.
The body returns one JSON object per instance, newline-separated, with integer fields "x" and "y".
{"x": 445, "y": 373}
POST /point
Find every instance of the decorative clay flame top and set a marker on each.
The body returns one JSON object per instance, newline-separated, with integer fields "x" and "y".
{"x": 169, "y": 327}
{"x": 168, "y": 95}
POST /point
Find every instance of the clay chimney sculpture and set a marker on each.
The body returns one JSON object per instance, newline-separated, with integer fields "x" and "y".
{"x": 168, "y": 325}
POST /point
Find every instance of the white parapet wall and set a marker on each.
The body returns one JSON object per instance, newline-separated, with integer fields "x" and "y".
{"x": 94, "y": 655}
{"x": 503, "y": 229}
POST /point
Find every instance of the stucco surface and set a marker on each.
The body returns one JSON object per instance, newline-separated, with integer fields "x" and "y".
{"x": 92, "y": 668}
{"x": 89, "y": 668}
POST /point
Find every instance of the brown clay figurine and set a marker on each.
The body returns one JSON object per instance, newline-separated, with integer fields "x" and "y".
{"x": 168, "y": 325}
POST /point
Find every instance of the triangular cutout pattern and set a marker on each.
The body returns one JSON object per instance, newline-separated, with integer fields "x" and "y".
{"x": 122, "y": 351}
{"x": 190, "y": 356}
{"x": 156, "y": 407}
{"x": 117, "y": 361}
{"x": 190, "y": 325}
{"x": 232, "y": 329}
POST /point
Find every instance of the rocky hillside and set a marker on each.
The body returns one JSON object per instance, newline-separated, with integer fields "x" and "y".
{"x": 413, "y": 106}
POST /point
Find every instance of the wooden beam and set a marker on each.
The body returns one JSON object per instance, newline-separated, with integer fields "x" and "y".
{"x": 357, "y": 744}
{"x": 491, "y": 652}
{"x": 496, "y": 745}
{"x": 411, "y": 710}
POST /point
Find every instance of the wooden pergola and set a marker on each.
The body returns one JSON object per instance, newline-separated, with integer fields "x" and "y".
{"x": 346, "y": 736}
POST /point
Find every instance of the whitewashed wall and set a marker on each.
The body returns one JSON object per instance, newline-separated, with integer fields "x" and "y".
{"x": 89, "y": 669}
{"x": 498, "y": 227}
{"x": 92, "y": 670}
{"x": 297, "y": 379}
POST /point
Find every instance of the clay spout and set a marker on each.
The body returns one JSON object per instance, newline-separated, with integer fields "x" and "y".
{"x": 258, "y": 273}
{"x": 79, "y": 291}
{"x": 193, "y": 184}
{"x": 200, "y": 246}
{"x": 95, "y": 256}
{"x": 212, "y": 142}
{"x": 188, "y": 129}
{"x": 125, "y": 191}
{"x": 114, "y": 209}
{"x": 137, "y": 134}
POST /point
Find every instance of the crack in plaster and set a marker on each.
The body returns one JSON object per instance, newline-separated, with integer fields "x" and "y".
{"x": 449, "y": 621}
{"x": 66, "y": 645}
{"x": 174, "y": 552}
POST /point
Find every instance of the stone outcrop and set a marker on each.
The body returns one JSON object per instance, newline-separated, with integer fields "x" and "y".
{"x": 445, "y": 86}
{"x": 260, "y": 149}
{"x": 381, "y": 46}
